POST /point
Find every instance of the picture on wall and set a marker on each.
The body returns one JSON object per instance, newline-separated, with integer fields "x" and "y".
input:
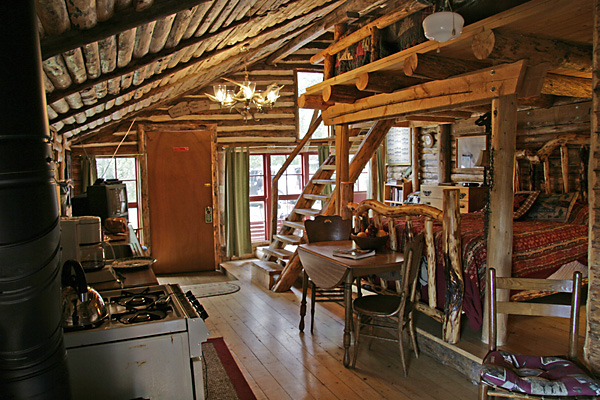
{"x": 468, "y": 150}
{"x": 398, "y": 146}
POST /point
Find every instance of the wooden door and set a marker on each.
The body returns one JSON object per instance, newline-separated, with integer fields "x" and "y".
{"x": 180, "y": 194}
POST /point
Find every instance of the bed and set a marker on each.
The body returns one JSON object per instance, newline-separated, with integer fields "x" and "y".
{"x": 551, "y": 234}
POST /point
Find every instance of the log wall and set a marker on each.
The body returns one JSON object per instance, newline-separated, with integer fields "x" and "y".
{"x": 534, "y": 129}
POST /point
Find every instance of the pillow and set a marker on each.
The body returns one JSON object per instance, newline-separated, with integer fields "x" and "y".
{"x": 579, "y": 213}
{"x": 522, "y": 203}
{"x": 552, "y": 207}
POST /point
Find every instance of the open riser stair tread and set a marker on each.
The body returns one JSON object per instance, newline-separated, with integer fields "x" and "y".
{"x": 317, "y": 197}
{"x": 311, "y": 212}
{"x": 289, "y": 239}
{"x": 279, "y": 253}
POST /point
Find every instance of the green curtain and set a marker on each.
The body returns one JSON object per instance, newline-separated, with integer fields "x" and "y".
{"x": 89, "y": 173}
{"x": 237, "y": 202}
{"x": 323, "y": 152}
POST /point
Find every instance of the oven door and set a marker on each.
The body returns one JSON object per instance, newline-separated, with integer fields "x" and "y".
{"x": 156, "y": 367}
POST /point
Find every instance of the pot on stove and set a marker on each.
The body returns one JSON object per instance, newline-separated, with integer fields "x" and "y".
{"x": 82, "y": 306}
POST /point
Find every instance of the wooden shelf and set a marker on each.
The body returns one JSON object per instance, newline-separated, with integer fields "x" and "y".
{"x": 396, "y": 193}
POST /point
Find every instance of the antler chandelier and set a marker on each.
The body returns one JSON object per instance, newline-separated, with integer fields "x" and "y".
{"x": 247, "y": 95}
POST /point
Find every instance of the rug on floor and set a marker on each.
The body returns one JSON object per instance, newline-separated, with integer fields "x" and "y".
{"x": 223, "y": 379}
{"x": 211, "y": 289}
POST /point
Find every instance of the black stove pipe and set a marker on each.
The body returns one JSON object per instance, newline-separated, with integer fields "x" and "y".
{"x": 32, "y": 354}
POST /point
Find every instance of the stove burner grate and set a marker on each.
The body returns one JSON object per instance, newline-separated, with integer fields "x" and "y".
{"x": 141, "y": 316}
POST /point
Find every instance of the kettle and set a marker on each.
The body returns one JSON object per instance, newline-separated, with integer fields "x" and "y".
{"x": 82, "y": 306}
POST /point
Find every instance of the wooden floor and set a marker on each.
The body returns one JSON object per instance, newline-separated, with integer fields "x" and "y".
{"x": 261, "y": 329}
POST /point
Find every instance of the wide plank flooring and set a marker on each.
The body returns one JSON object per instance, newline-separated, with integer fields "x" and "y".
{"x": 261, "y": 329}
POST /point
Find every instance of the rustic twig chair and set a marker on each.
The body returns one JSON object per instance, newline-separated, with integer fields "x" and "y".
{"x": 529, "y": 377}
{"x": 374, "y": 310}
{"x": 322, "y": 229}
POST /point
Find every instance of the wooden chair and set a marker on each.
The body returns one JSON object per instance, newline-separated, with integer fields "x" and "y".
{"x": 325, "y": 228}
{"x": 533, "y": 377}
{"x": 392, "y": 312}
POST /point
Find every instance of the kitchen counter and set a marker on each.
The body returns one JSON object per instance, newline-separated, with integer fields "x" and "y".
{"x": 104, "y": 279}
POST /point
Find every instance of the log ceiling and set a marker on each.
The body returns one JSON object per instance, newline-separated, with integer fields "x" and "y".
{"x": 108, "y": 62}
{"x": 105, "y": 62}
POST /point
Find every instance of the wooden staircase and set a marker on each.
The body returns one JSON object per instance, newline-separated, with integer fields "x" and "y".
{"x": 291, "y": 234}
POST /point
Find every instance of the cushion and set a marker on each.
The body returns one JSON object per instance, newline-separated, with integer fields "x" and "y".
{"x": 552, "y": 207}
{"x": 522, "y": 202}
{"x": 549, "y": 376}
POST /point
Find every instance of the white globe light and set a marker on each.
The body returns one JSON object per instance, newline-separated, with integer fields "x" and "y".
{"x": 443, "y": 26}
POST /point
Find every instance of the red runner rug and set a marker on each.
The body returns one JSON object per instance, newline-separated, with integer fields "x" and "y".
{"x": 235, "y": 375}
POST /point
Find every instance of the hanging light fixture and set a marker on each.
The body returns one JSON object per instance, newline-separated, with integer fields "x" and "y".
{"x": 442, "y": 26}
{"x": 247, "y": 95}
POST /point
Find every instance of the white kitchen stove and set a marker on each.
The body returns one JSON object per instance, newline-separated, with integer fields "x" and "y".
{"x": 149, "y": 347}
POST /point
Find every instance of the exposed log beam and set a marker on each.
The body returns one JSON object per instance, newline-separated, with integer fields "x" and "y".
{"x": 384, "y": 82}
{"x": 470, "y": 89}
{"x": 313, "y": 101}
{"x": 317, "y": 29}
{"x": 342, "y": 94}
{"x": 122, "y": 21}
{"x": 403, "y": 11}
{"x": 396, "y": 61}
{"x": 570, "y": 86}
{"x": 432, "y": 67}
{"x": 494, "y": 45}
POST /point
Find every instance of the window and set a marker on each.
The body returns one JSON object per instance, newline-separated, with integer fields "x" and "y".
{"x": 305, "y": 80}
{"x": 124, "y": 169}
{"x": 263, "y": 168}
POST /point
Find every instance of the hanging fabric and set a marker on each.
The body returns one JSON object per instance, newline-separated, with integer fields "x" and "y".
{"x": 237, "y": 202}
{"x": 89, "y": 171}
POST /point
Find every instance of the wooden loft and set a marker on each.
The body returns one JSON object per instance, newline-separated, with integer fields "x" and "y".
{"x": 543, "y": 31}
{"x": 523, "y": 56}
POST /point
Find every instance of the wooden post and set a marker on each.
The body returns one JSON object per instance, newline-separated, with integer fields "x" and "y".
{"x": 455, "y": 286}
{"x": 547, "y": 184}
{"x": 141, "y": 143}
{"x": 564, "y": 164}
{"x": 431, "y": 265}
{"x": 375, "y": 178}
{"x": 416, "y": 184}
{"x": 444, "y": 153}
{"x": 500, "y": 235}
{"x": 375, "y": 39}
{"x": 342, "y": 147}
{"x": 591, "y": 347}
{"x": 346, "y": 196}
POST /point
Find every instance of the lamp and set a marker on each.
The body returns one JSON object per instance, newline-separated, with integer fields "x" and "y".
{"x": 484, "y": 161}
{"x": 247, "y": 95}
{"x": 442, "y": 26}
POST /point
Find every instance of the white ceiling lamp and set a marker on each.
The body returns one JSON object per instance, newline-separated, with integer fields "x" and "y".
{"x": 442, "y": 26}
{"x": 247, "y": 95}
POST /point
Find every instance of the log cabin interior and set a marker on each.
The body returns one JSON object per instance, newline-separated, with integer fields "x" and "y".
{"x": 486, "y": 142}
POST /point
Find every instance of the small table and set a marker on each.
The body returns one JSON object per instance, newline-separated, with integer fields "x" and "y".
{"x": 328, "y": 271}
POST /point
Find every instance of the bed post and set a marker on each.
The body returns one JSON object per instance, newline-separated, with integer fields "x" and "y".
{"x": 455, "y": 285}
{"x": 500, "y": 233}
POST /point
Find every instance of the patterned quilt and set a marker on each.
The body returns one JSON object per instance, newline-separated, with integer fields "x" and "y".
{"x": 539, "y": 249}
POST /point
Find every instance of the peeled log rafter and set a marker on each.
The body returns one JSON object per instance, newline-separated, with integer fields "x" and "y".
{"x": 570, "y": 86}
{"x": 384, "y": 83}
{"x": 493, "y": 45}
{"x": 428, "y": 66}
{"x": 342, "y": 94}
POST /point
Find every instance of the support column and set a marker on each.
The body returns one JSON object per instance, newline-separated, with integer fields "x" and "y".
{"x": 342, "y": 148}
{"x": 500, "y": 234}
{"x": 591, "y": 348}
{"x": 444, "y": 154}
{"x": 416, "y": 184}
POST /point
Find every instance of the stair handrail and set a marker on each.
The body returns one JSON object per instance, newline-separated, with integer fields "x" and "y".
{"x": 315, "y": 122}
